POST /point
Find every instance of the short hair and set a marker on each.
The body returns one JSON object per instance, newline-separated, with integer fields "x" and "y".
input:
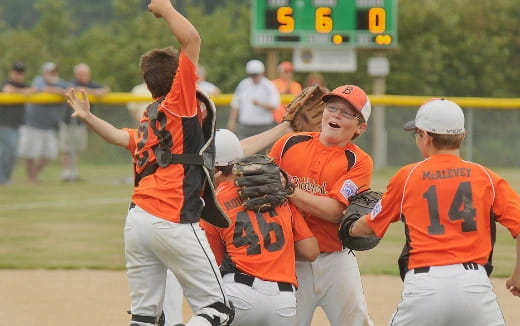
{"x": 226, "y": 170}
{"x": 447, "y": 141}
{"x": 158, "y": 67}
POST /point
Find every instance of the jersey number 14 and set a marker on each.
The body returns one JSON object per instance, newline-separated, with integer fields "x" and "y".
{"x": 461, "y": 208}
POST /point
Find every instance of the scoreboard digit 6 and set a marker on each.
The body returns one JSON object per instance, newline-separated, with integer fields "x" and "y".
{"x": 324, "y": 23}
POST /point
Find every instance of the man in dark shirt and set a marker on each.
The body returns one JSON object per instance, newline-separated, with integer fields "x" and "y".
{"x": 11, "y": 118}
{"x": 38, "y": 136}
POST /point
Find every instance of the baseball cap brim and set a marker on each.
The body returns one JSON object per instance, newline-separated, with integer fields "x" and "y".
{"x": 410, "y": 125}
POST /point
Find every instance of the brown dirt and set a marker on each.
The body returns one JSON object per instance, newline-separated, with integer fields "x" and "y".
{"x": 86, "y": 298}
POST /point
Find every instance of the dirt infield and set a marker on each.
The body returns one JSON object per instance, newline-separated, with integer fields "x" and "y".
{"x": 86, "y": 298}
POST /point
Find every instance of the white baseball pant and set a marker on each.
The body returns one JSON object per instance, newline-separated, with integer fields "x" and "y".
{"x": 153, "y": 245}
{"x": 448, "y": 295}
{"x": 332, "y": 282}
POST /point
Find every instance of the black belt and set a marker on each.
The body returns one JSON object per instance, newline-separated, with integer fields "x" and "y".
{"x": 132, "y": 205}
{"x": 426, "y": 269}
{"x": 249, "y": 280}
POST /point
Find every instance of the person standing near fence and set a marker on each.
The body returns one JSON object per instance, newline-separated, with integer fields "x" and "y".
{"x": 38, "y": 136}
{"x": 72, "y": 132}
{"x": 11, "y": 118}
{"x": 449, "y": 208}
{"x": 204, "y": 85}
{"x": 253, "y": 102}
{"x": 136, "y": 109}
{"x": 285, "y": 85}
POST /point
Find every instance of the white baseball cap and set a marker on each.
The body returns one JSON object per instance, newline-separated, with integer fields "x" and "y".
{"x": 254, "y": 67}
{"x": 227, "y": 148}
{"x": 438, "y": 116}
{"x": 48, "y": 67}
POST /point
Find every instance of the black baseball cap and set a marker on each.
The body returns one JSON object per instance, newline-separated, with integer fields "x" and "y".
{"x": 19, "y": 67}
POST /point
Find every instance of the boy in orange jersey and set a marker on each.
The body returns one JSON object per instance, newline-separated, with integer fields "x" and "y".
{"x": 327, "y": 168}
{"x": 449, "y": 208}
{"x": 257, "y": 252}
{"x": 162, "y": 230}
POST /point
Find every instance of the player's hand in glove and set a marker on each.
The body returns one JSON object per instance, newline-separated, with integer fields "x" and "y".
{"x": 360, "y": 204}
{"x": 262, "y": 184}
{"x": 306, "y": 109}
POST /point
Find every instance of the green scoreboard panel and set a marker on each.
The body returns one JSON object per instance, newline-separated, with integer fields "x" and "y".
{"x": 324, "y": 23}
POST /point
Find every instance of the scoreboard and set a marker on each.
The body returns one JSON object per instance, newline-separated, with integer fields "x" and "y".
{"x": 324, "y": 23}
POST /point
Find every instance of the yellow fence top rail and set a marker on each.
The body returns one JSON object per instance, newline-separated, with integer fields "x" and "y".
{"x": 225, "y": 100}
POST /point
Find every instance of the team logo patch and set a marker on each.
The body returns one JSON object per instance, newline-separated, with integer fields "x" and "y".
{"x": 376, "y": 210}
{"x": 348, "y": 189}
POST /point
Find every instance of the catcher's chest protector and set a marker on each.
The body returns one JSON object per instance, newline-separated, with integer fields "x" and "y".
{"x": 212, "y": 212}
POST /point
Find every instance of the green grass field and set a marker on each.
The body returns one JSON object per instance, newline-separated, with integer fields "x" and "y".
{"x": 57, "y": 225}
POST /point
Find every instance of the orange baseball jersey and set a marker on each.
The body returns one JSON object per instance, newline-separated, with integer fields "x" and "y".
{"x": 336, "y": 172}
{"x": 449, "y": 208}
{"x": 172, "y": 192}
{"x": 283, "y": 87}
{"x": 259, "y": 244}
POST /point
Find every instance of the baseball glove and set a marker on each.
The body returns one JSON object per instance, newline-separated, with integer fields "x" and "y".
{"x": 305, "y": 110}
{"x": 260, "y": 183}
{"x": 360, "y": 204}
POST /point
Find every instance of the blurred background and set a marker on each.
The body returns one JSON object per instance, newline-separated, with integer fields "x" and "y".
{"x": 446, "y": 48}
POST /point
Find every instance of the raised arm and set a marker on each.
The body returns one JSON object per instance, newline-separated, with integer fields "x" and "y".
{"x": 181, "y": 28}
{"x": 108, "y": 132}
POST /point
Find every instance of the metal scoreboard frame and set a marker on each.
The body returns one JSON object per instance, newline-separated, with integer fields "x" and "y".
{"x": 324, "y": 23}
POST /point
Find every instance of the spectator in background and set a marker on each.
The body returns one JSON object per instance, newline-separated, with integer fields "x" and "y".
{"x": 136, "y": 109}
{"x": 285, "y": 85}
{"x": 11, "y": 118}
{"x": 72, "y": 132}
{"x": 38, "y": 136}
{"x": 315, "y": 78}
{"x": 253, "y": 103}
{"x": 203, "y": 84}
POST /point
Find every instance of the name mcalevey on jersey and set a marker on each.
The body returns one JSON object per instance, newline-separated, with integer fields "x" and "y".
{"x": 305, "y": 183}
{"x": 446, "y": 174}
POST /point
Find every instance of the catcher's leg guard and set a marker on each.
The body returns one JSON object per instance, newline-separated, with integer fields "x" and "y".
{"x": 218, "y": 314}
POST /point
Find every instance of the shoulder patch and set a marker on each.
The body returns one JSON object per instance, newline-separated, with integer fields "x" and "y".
{"x": 376, "y": 210}
{"x": 348, "y": 189}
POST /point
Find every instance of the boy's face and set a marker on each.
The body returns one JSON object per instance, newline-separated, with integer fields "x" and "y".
{"x": 340, "y": 123}
{"x": 423, "y": 141}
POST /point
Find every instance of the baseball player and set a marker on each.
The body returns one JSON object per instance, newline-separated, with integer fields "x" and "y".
{"x": 327, "y": 168}
{"x": 449, "y": 208}
{"x": 162, "y": 230}
{"x": 257, "y": 252}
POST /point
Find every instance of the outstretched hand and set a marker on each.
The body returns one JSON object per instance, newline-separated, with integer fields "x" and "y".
{"x": 80, "y": 105}
{"x": 159, "y": 7}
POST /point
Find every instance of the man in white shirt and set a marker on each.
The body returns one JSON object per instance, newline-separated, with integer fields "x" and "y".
{"x": 253, "y": 103}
